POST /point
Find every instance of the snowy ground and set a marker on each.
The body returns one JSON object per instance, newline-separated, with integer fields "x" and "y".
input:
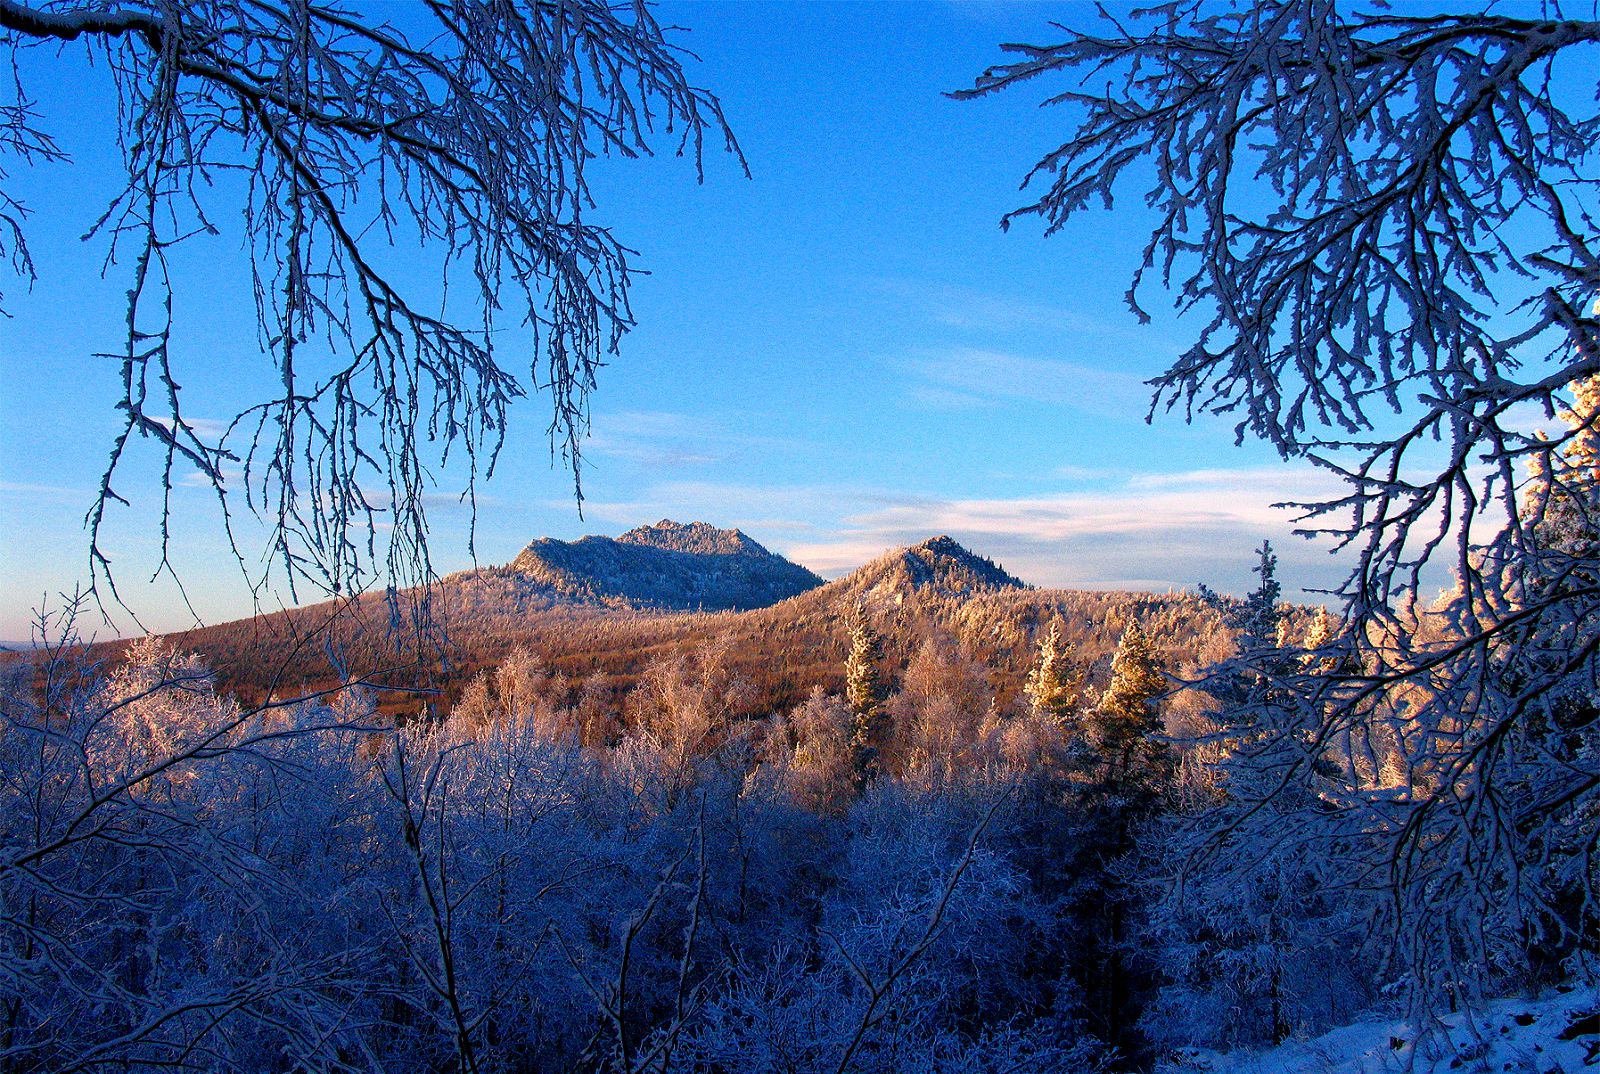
{"x": 1555, "y": 1034}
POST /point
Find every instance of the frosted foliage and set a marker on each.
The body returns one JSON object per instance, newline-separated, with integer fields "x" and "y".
{"x": 1332, "y": 189}
{"x": 863, "y": 673}
{"x": 467, "y": 128}
{"x": 1563, "y": 491}
{"x": 307, "y": 886}
{"x": 821, "y": 767}
{"x": 684, "y": 707}
{"x": 191, "y": 881}
{"x": 1128, "y": 714}
{"x": 943, "y": 715}
{"x": 160, "y": 703}
{"x": 922, "y": 924}
{"x": 163, "y": 855}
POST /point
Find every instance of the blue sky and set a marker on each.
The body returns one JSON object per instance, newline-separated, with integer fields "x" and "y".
{"x": 839, "y": 355}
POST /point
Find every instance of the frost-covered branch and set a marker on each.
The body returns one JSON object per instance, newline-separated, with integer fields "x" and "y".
{"x": 467, "y": 128}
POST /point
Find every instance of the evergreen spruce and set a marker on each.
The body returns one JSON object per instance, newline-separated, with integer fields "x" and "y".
{"x": 1134, "y": 774}
{"x": 1246, "y": 683}
{"x": 864, "y": 692}
{"x": 1128, "y": 713}
{"x": 1055, "y": 684}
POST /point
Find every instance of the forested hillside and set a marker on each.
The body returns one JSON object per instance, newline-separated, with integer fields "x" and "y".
{"x": 782, "y": 651}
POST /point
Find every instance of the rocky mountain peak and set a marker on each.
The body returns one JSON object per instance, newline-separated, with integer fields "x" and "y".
{"x": 699, "y": 538}
{"x": 943, "y": 545}
{"x": 668, "y": 565}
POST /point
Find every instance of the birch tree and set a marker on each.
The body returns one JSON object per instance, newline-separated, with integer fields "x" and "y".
{"x": 468, "y": 128}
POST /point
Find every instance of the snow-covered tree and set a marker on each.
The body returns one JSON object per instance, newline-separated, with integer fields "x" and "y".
{"x": 821, "y": 760}
{"x": 683, "y": 707}
{"x": 942, "y": 716}
{"x": 1561, "y": 500}
{"x": 1055, "y": 684}
{"x": 1128, "y": 714}
{"x": 157, "y": 905}
{"x": 1256, "y": 621}
{"x": 864, "y": 692}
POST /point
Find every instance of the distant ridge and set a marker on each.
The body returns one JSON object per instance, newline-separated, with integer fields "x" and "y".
{"x": 671, "y": 565}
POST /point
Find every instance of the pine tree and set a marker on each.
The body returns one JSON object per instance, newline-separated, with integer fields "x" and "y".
{"x": 1128, "y": 713}
{"x": 1055, "y": 685}
{"x": 1257, "y": 619}
{"x": 864, "y": 692}
{"x": 1320, "y": 632}
{"x": 1134, "y": 773}
{"x": 1246, "y": 683}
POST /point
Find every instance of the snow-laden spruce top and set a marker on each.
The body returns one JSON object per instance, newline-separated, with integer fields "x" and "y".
{"x": 668, "y": 565}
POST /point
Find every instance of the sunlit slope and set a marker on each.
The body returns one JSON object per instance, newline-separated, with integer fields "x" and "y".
{"x": 563, "y": 602}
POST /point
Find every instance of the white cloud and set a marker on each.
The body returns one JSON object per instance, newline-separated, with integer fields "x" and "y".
{"x": 657, "y": 440}
{"x": 1084, "y": 473}
{"x": 988, "y": 312}
{"x": 208, "y": 430}
{"x": 938, "y": 398}
{"x": 53, "y": 492}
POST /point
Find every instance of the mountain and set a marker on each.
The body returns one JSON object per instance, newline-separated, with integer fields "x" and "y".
{"x": 611, "y": 606}
{"x": 668, "y": 566}
{"x": 938, "y": 567}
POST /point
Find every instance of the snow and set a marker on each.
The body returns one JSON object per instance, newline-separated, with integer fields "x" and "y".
{"x": 1514, "y": 1035}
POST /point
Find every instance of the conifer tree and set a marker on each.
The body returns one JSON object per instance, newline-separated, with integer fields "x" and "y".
{"x": 864, "y": 692}
{"x": 1245, "y": 684}
{"x": 1055, "y": 685}
{"x": 1128, "y": 792}
{"x": 1128, "y": 713}
{"x": 1320, "y": 632}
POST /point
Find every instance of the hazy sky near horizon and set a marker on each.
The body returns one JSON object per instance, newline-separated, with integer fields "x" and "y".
{"x": 842, "y": 354}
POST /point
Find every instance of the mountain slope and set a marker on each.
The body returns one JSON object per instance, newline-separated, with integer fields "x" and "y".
{"x": 937, "y": 568}
{"x": 666, "y": 566}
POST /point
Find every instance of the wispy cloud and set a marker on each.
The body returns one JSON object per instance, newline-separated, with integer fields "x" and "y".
{"x": 53, "y": 492}
{"x": 988, "y": 311}
{"x": 208, "y": 430}
{"x": 657, "y": 440}
{"x": 1085, "y": 473}
{"x": 937, "y": 398}
{"x": 663, "y": 440}
{"x": 980, "y": 377}
{"x": 814, "y": 510}
{"x": 1117, "y": 538}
